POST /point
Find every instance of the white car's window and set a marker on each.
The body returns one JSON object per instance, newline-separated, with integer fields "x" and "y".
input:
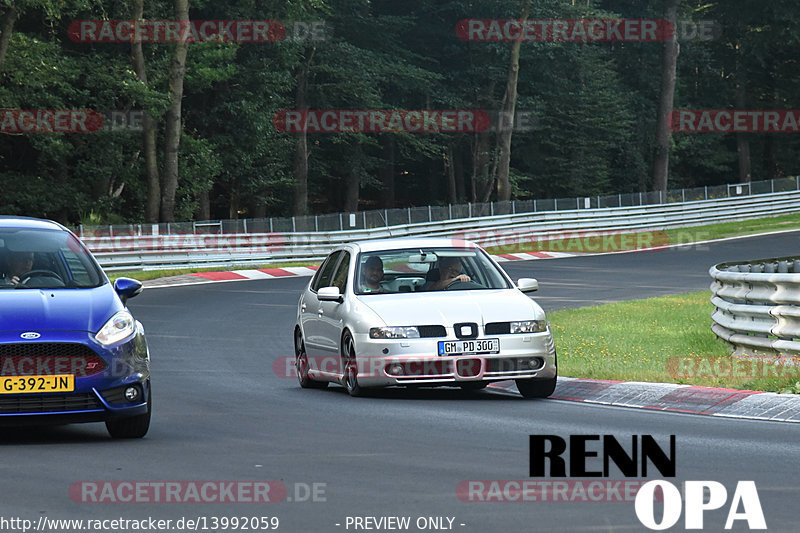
{"x": 325, "y": 273}
{"x": 340, "y": 278}
{"x": 415, "y": 270}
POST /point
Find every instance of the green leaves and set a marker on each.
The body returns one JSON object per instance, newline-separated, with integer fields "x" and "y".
{"x": 591, "y": 107}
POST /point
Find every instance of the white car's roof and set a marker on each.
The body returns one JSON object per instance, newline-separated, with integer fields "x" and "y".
{"x": 378, "y": 245}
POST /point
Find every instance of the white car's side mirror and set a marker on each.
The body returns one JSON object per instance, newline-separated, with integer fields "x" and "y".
{"x": 330, "y": 294}
{"x": 527, "y": 284}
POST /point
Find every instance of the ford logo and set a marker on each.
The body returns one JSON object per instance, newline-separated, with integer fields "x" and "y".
{"x": 30, "y": 335}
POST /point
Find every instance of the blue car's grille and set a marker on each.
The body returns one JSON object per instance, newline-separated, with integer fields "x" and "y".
{"x": 48, "y": 403}
{"x": 32, "y": 358}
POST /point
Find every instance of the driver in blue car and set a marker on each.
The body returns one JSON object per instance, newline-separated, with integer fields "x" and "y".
{"x": 449, "y": 272}
{"x": 18, "y": 263}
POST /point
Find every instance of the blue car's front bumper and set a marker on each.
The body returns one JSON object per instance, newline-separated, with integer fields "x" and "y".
{"x": 102, "y": 373}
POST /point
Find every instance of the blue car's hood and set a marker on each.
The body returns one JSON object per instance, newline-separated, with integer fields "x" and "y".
{"x": 57, "y": 309}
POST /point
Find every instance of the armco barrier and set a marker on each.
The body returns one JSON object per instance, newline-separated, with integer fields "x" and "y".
{"x": 758, "y": 306}
{"x": 119, "y": 252}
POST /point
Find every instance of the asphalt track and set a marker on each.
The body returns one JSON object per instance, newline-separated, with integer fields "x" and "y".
{"x": 221, "y": 413}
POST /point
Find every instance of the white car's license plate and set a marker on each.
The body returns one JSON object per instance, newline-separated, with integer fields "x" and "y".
{"x": 473, "y": 346}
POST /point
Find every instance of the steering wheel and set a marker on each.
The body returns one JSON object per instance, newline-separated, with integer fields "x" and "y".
{"x": 26, "y": 277}
{"x": 458, "y": 285}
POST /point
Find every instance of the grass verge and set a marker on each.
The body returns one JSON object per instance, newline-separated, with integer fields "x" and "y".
{"x": 666, "y": 339}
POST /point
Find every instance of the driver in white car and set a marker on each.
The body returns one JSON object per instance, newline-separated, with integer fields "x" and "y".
{"x": 18, "y": 264}
{"x": 449, "y": 272}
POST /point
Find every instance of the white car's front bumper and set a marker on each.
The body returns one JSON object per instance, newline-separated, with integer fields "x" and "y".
{"x": 386, "y": 362}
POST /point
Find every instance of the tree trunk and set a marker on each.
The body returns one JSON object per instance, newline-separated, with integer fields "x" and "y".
{"x": 458, "y": 169}
{"x": 769, "y": 157}
{"x": 300, "y": 170}
{"x": 505, "y": 123}
{"x": 742, "y": 143}
{"x": 172, "y": 131}
{"x": 300, "y": 174}
{"x": 203, "y": 205}
{"x": 770, "y": 154}
{"x": 668, "y": 67}
{"x": 6, "y": 27}
{"x": 451, "y": 175}
{"x": 149, "y": 149}
{"x": 351, "y": 189}
{"x": 233, "y": 207}
{"x": 386, "y": 172}
{"x": 480, "y": 163}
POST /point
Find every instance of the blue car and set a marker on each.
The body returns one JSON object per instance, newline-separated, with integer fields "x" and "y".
{"x": 70, "y": 351}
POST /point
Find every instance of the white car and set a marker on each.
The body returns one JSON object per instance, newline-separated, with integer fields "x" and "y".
{"x": 429, "y": 312}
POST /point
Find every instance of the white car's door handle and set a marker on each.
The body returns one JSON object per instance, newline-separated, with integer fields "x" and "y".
{"x": 303, "y": 307}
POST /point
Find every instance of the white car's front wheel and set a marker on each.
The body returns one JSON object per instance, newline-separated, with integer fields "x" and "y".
{"x": 350, "y": 365}
{"x": 536, "y": 387}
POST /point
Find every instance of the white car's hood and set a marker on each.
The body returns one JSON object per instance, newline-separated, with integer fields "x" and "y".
{"x": 449, "y": 307}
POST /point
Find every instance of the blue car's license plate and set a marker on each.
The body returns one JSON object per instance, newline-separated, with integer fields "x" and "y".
{"x": 471, "y": 347}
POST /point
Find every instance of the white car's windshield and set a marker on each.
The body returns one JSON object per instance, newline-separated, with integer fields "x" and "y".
{"x": 425, "y": 270}
{"x": 45, "y": 259}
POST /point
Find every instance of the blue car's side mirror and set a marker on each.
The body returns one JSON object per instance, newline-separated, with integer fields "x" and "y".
{"x": 127, "y": 288}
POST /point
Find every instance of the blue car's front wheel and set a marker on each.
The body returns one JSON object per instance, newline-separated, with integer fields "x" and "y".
{"x": 132, "y": 427}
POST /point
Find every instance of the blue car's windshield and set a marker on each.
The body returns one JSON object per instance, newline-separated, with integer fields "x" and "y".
{"x": 45, "y": 259}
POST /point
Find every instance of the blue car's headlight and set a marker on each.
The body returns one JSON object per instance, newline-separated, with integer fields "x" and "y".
{"x": 118, "y": 327}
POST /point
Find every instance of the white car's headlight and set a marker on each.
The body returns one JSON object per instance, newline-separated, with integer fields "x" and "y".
{"x": 118, "y": 327}
{"x": 529, "y": 326}
{"x": 394, "y": 332}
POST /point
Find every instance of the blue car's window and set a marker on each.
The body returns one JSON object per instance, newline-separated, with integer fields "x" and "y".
{"x": 45, "y": 259}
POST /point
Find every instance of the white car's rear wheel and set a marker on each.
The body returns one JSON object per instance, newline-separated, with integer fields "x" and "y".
{"x": 301, "y": 365}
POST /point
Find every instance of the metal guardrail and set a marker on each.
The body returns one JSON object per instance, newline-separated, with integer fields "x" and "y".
{"x": 758, "y": 306}
{"x": 381, "y": 218}
{"x": 151, "y": 252}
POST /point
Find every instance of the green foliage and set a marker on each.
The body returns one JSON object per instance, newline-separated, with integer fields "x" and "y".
{"x": 594, "y": 105}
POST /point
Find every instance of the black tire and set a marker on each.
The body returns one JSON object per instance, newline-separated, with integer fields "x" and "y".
{"x": 301, "y": 365}
{"x": 473, "y": 385}
{"x": 350, "y": 366}
{"x": 536, "y": 387}
{"x": 132, "y": 427}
